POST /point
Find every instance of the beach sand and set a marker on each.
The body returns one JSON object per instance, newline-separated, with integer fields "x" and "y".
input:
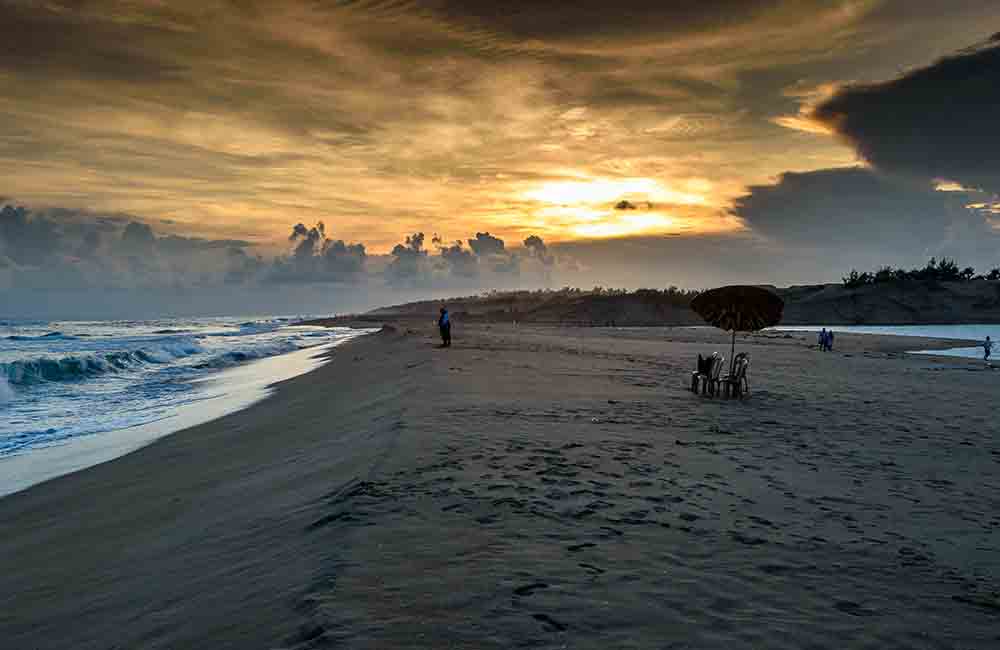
{"x": 539, "y": 487}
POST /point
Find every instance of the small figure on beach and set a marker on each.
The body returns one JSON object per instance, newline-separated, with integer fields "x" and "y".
{"x": 444, "y": 324}
{"x": 826, "y": 340}
{"x": 987, "y": 349}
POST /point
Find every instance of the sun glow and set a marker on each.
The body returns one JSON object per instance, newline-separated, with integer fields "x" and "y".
{"x": 601, "y": 191}
{"x": 605, "y": 208}
{"x": 623, "y": 225}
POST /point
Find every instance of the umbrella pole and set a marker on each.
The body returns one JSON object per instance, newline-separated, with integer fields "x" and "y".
{"x": 732, "y": 357}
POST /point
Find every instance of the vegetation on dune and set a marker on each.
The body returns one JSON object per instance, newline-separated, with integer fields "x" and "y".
{"x": 939, "y": 292}
{"x": 599, "y": 305}
{"x": 670, "y": 295}
{"x": 945, "y": 270}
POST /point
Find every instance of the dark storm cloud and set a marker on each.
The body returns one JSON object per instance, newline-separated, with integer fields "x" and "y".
{"x": 412, "y": 246}
{"x": 343, "y": 258}
{"x": 307, "y": 240}
{"x": 36, "y": 236}
{"x": 89, "y": 245}
{"x": 493, "y": 254}
{"x": 240, "y": 267}
{"x": 317, "y": 258}
{"x": 459, "y": 260}
{"x": 409, "y": 266}
{"x": 138, "y": 238}
{"x": 936, "y": 122}
{"x": 486, "y": 263}
{"x": 485, "y": 244}
{"x": 858, "y": 211}
{"x": 60, "y": 248}
{"x": 63, "y": 249}
{"x": 536, "y": 249}
{"x": 489, "y": 260}
{"x": 24, "y": 237}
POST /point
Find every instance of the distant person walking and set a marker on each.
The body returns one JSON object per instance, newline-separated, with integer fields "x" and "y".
{"x": 829, "y": 341}
{"x": 822, "y": 339}
{"x": 444, "y": 324}
{"x": 987, "y": 349}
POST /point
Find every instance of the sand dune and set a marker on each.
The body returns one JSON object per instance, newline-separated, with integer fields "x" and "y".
{"x": 535, "y": 487}
{"x": 910, "y": 302}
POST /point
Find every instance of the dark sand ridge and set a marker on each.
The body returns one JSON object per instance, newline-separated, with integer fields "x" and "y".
{"x": 894, "y": 303}
{"x": 538, "y": 487}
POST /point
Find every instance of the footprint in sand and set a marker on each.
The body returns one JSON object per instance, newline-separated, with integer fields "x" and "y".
{"x": 854, "y": 609}
{"x": 747, "y": 539}
{"x": 329, "y": 519}
{"x": 550, "y": 622}
{"x": 591, "y": 568}
{"x": 527, "y": 590}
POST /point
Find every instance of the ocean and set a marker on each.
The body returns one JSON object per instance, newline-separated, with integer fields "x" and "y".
{"x": 970, "y": 332}
{"x": 75, "y": 393}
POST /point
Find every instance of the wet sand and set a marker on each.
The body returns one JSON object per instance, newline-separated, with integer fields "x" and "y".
{"x": 539, "y": 487}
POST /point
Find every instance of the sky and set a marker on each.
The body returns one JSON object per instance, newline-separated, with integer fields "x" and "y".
{"x": 309, "y": 155}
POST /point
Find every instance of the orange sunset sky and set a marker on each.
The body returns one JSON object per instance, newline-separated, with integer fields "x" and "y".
{"x": 599, "y": 127}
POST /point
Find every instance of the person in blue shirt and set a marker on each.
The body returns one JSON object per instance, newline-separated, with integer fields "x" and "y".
{"x": 444, "y": 324}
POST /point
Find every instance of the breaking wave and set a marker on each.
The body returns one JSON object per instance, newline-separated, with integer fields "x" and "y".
{"x": 60, "y": 381}
{"x": 51, "y": 336}
{"x": 75, "y": 367}
{"x": 25, "y": 372}
{"x": 234, "y": 357}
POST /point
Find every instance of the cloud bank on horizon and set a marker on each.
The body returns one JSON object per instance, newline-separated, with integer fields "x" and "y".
{"x": 65, "y": 249}
{"x": 688, "y": 143}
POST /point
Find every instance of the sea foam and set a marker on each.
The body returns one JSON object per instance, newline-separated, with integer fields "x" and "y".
{"x": 80, "y": 366}
{"x": 66, "y": 380}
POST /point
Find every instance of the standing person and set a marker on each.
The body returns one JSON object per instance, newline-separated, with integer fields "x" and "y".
{"x": 829, "y": 340}
{"x": 987, "y": 349}
{"x": 444, "y": 324}
{"x": 822, "y": 340}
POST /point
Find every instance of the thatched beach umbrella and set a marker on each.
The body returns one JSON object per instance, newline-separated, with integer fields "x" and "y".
{"x": 739, "y": 308}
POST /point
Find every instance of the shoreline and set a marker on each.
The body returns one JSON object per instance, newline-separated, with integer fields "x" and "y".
{"x": 185, "y": 491}
{"x": 408, "y": 322}
{"x": 498, "y": 492}
{"x": 241, "y": 388}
